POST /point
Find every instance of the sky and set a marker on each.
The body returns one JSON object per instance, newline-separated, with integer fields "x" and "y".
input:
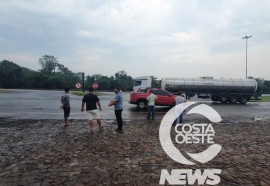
{"x": 161, "y": 38}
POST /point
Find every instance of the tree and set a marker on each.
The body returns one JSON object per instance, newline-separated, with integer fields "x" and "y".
{"x": 266, "y": 87}
{"x": 11, "y": 74}
{"x": 54, "y": 75}
{"x": 49, "y": 63}
{"x": 31, "y": 79}
{"x": 123, "y": 80}
{"x": 121, "y": 74}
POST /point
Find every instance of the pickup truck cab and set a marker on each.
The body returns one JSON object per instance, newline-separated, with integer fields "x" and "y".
{"x": 164, "y": 98}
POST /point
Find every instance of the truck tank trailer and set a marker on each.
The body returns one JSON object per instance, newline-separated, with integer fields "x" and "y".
{"x": 223, "y": 90}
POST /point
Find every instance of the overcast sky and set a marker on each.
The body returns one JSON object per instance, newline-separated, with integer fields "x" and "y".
{"x": 163, "y": 38}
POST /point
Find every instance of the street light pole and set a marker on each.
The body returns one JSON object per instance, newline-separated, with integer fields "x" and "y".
{"x": 246, "y": 38}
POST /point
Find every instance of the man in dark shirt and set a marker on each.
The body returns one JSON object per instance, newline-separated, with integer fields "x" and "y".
{"x": 92, "y": 101}
{"x": 65, "y": 105}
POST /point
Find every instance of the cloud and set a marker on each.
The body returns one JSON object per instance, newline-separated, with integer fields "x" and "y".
{"x": 154, "y": 37}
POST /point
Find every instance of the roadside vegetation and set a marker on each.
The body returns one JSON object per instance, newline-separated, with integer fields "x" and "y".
{"x": 4, "y": 91}
{"x": 265, "y": 99}
{"x": 54, "y": 75}
{"x": 261, "y": 99}
{"x": 81, "y": 93}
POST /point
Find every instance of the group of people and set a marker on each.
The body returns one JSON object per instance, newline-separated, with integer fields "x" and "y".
{"x": 179, "y": 99}
{"x": 93, "y": 108}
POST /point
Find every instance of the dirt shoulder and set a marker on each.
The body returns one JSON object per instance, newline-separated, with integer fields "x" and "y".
{"x": 43, "y": 152}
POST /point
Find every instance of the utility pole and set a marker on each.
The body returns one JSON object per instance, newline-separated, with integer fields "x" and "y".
{"x": 82, "y": 73}
{"x": 246, "y": 38}
{"x": 83, "y": 81}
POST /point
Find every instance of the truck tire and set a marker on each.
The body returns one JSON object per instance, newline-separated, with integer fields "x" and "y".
{"x": 141, "y": 104}
{"x": 233, "y": 99}
{"x": 243, "y": 99}
{"x": 223, "y": 98}
{"x": 214, "y": 98}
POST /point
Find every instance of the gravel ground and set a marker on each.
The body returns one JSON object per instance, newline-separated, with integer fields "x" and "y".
{"x": 43, "y": 152}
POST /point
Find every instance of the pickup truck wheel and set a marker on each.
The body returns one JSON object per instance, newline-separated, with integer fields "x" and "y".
{"x": 243, "y": 99}
{"x": 141, "y": 104}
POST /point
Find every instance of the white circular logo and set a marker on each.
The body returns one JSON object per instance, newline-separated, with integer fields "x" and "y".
{"x": 190, "y": 133}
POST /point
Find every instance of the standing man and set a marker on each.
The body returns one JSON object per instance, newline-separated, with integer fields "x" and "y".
{"x": 179, "y": 99}
{"x": 92, "y": 101}
{"x": 118, "y": 108}
{"x": 151, "y": 105}
{"x": 65, "y": 105}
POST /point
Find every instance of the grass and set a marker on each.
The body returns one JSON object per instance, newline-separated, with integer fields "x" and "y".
{"x": 81, "y": 93}
{"x": 4, "y": 91}
{"x": 262, "y": 99}
{"x": 265, "y": 99}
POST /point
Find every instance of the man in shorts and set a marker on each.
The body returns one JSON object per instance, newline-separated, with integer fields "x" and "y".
{"x": 92, "y": 101}
{"x": 65, "y": 105}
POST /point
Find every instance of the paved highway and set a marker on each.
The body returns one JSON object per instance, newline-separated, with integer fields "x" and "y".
{"x": 45, "y": 104}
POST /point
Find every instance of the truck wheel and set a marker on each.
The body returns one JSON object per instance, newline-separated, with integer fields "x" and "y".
{"x": 243, "y": 99}
{"x": 214, "y": 98}
{"x": 223, "y": 98}
{"x": 141, "y": 104}
{"x": 233, "y": 99}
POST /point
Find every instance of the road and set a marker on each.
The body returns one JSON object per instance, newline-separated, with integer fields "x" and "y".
{"x": 45, "y": 104}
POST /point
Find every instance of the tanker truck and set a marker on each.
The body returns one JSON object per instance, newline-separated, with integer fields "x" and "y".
{"x": 224, "y": 90}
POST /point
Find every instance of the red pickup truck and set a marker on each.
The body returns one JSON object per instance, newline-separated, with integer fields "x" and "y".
{"x": 164, "y": 98}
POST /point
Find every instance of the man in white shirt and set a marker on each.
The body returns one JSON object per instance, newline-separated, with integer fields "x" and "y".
{"x": 151, "y": 105}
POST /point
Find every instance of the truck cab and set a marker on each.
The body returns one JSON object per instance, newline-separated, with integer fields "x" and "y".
{"x": 141, "y": 83}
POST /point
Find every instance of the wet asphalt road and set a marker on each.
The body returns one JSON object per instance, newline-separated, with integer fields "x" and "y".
{"x": 45, "y": 104}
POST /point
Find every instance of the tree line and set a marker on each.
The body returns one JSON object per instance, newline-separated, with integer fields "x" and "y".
{"x": 54, "y": 75}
